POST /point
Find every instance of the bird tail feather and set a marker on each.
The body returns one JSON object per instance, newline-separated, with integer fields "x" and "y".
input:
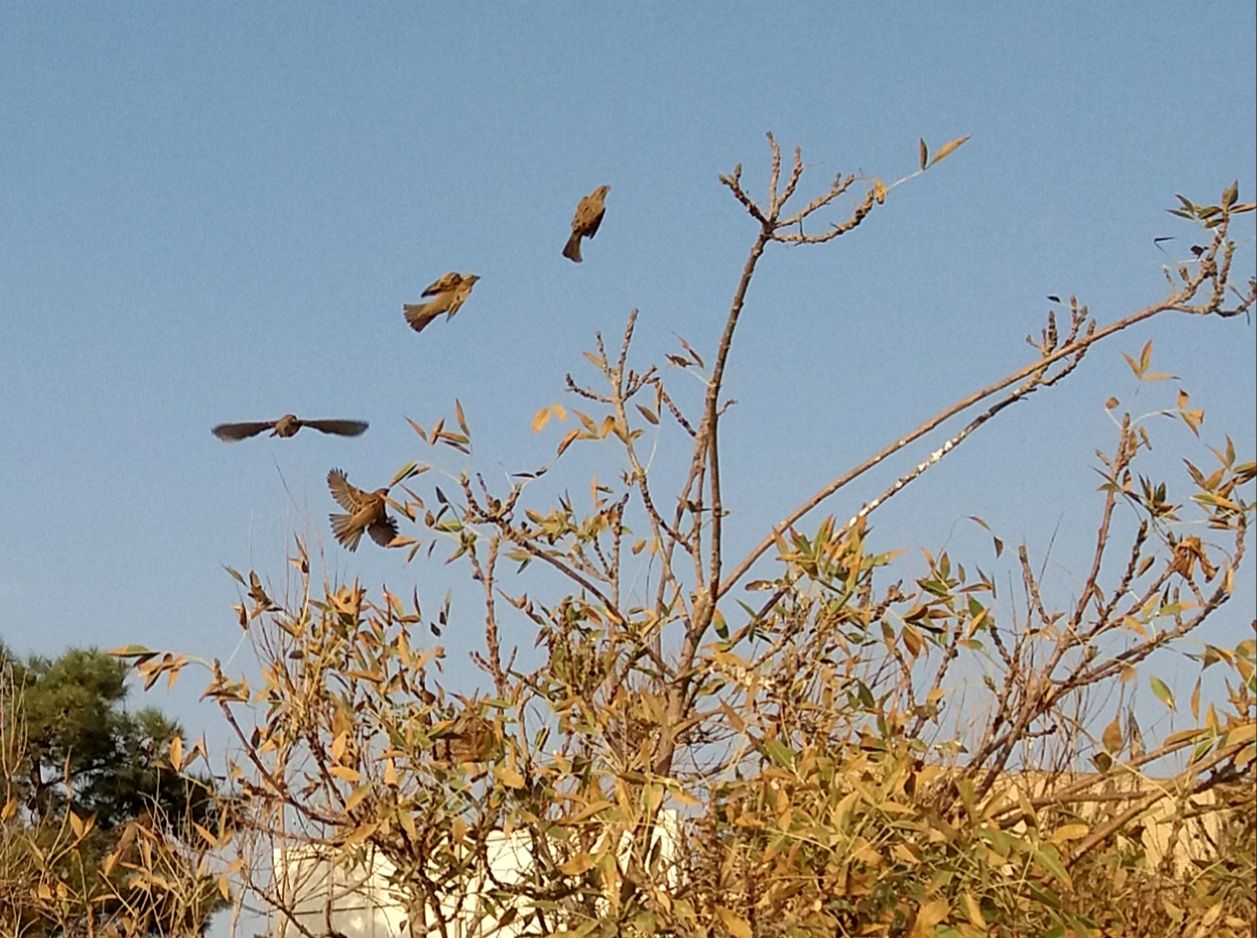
{"x": 419, "y": 315}
{"x": 346, "y": 531}
{"x": 572, "y": 250}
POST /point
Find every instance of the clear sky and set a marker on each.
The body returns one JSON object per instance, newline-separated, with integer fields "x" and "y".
{"x": 214, "y": 212}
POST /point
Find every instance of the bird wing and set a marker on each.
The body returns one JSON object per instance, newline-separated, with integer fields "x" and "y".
{"x": 591, "y": 228}
{"x": 583, "y": 211}
{"x": 233, "y": 432}
{"x": 589, "y": 213}
{"x": 383, "y": 530}
{"x": 459, "y": 297}
{"x": 338, "y": 427}
{"x": 443, "y": 283}
{"x": 347, "y": 496}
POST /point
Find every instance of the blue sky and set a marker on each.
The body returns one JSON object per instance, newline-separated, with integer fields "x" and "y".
{"x": 214, "y": 212}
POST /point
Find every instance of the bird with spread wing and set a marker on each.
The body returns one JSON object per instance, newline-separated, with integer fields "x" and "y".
{"x": 368, "y": 511}
{"x": 287, "y": 426}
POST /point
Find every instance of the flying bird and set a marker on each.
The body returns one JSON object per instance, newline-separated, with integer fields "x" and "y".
{"x": 449, "y": 292}
{"x": 586, "y": 221}
{"x": 287, "y": 426}
{"x": 367, "y": 512}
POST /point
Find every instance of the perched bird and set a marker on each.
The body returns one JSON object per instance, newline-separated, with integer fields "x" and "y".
{"x": 287, "y": 426}
{"x": 367, "y": 512}
{"x": 448, "y": 293}
{"x": 586, "y": 221}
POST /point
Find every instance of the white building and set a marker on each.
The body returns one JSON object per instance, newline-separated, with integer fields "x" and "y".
{"x": 357, "y": 901}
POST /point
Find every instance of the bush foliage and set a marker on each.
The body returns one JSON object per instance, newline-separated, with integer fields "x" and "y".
{"x": 850, "y": 747}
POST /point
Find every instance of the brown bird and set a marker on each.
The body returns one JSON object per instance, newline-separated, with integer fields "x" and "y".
{"x": 449, "y": 293}
{"x": 367, "y": 512}
{"x": 287, "y": 426}
{"x": 586, "y": 221}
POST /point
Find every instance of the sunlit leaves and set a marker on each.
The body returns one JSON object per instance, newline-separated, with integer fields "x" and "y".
{"x": 736, "y": 925}
{"x": 1212, "y": 215}
{"x": 948, "y": 148}
{"x": 1141, "y": 366}
{"x": 542, "y": 417}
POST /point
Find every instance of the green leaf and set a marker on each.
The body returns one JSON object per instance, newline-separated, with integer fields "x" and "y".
{"x": 1050, "y": 860}
{"x": 1163, "y": 692}
{"x": 402, "y": 473}
{"x": 779, "y": 752}
{"x": 132, "y": 651}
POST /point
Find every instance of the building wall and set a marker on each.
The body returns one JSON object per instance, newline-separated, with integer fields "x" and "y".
{"x": 357, "y": 901}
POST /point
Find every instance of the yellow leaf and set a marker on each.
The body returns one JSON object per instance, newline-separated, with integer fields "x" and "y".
{"x": 948, "y": 148}
{"x": 843, "y": 811}
{"x": 224, "y": 888}
{"x": 1241, "y": 734}
{"x": 541, "y": 418}
{"x": 567, "y": 441}
{"x": 206, "y": 835}
{"x": 407, "y": 820}
{"x": 973, "y": 911}
{"x": 588, "y": 811}
{"x": 509, "y": 777}
{"x": 930, "y": 914}
{"x": 1112, "y": 736}
{"x": 356, "y": 797}
{"x": 578, "y": 864}
{"x": 345, "y": 773}
{"x": 686, "y": 798}
{"x": 361, "y": 833}
{"x": 9, "y": 809}
{"x": 1067, "y": 832}
{"x": 879, "y": 191}
{"x": 736, "y": 924}
{"x": 905, "y": 855}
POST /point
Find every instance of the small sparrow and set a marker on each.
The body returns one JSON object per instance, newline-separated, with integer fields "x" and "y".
{"x": 367, "y": 512}
{"x": 586, "y": 221}
{"x": 448, "y": 293}
{"x": 287, "y": 426}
